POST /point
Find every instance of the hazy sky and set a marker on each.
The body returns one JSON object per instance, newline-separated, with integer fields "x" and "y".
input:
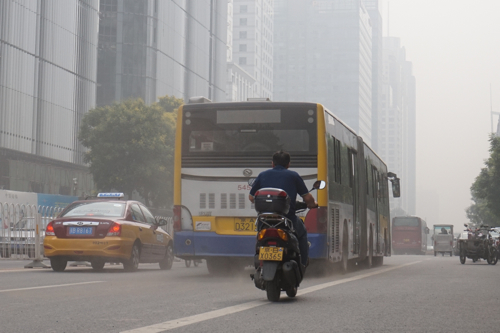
{"x": 454, "y": 46}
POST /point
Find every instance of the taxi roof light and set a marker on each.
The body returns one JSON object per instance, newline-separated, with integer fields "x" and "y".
{"x": 110, "y": 195}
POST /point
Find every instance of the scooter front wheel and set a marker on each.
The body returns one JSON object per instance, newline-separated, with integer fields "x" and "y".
{"x": 291, "y": 292}
{"x": 273, "y": 290}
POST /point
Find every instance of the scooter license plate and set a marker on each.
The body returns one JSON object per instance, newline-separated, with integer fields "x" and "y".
{"x": 271, "y": 253}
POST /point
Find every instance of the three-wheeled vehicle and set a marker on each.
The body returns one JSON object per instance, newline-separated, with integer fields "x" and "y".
{"x": 443, "y": 239}
{"x": 478, "y": 245}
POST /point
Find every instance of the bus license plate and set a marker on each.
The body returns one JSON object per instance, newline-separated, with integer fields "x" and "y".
{"x": 242, "y": 225}
{"x": 406, "y": 240}
{"x": 271, "y": 253}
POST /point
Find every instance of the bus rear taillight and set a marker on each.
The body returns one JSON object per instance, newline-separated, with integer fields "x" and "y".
{"x": 315, "y": 220}
{"x": 177, "y": 218}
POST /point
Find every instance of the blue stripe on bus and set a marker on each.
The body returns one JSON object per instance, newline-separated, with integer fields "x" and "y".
{"x": 209, "y": 244}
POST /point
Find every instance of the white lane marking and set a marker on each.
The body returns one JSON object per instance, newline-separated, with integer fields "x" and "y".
{"x": 176, "y": 323}
{"x": 52, "y": 286}
{"x": 354, "y": 278}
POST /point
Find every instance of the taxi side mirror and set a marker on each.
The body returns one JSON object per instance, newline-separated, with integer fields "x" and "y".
{"x": 161, "y": 222}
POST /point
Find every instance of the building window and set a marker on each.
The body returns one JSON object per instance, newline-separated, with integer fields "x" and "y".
{"x": 243, "y": 34}
{"x": 243, "y": 9}
{"x": 242, "y": 61}
{"x": 243, "y": 21}
{"x": 243, "y": 47}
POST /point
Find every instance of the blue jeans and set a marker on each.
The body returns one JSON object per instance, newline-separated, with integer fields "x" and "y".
{"x": 300, "y": 230}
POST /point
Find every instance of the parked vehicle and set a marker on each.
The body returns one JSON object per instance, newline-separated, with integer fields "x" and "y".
{"x": 443, "y": 239}
{"x": 478, "y": 245}
{"x": 277, "y": 260}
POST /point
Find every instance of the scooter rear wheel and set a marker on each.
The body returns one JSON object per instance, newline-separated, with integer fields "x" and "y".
{"x": 273, "y": 290}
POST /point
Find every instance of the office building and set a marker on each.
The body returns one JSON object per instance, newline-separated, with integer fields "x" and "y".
{"x": 48, "y": 62}
{"x": 397, "y": 122}
{"x": 151, "y": 48}
{"x": 377, "y": 64}
{"x": 323, "y": 53}
{"x": 252, "y": 49}
{"x": 240, "y": 84}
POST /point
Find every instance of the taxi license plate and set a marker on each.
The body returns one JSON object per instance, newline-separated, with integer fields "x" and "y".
{"x": 81, "y": 231}
{"x": 242, "y": 225}
{"x": 271, "y": 253}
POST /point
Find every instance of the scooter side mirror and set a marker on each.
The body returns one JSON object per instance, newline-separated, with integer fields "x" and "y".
{"x": 319, "y": 185}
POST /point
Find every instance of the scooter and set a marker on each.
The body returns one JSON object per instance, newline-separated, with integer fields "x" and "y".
{"x": 277, "y": 260}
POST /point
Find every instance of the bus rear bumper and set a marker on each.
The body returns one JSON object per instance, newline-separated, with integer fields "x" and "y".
{"x": 189, "y": 244}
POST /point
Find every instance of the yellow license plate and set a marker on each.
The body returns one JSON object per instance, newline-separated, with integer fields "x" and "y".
{"x": 271, "y": 253}
{"x": 242, "y": 224}
{"x": 406, "y": 240}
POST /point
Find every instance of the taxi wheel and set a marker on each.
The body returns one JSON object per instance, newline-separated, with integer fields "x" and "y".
{"x": 132, "y": 264}
{"x": 58, "y": 264}
{"x": 97, "y": 265}
{"x": 167, "y": 262}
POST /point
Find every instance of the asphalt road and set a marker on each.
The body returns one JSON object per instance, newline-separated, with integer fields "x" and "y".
{"x": 406, "y": 294}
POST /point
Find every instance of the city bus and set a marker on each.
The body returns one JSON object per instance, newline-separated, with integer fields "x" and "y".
{"x": 409, "y": 235}
{"x": 220, "y": 146}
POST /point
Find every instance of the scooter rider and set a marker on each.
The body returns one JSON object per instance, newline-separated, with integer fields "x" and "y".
{"x": 289, "y": 181}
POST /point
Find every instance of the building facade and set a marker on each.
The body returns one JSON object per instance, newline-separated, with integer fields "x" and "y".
{"x": 240, "y": 84}
{"x": 252, "y": 48}
{"x": 377, "y": 65}
{"x": 323, "y": 53}
{"x": 152, "y": 48}
{"x": 48, "y": 63}
{"x": 397, "y": 122}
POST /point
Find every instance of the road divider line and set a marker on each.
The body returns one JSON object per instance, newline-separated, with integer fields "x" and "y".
{"x": 180, "y": 322}
{"x": 354, "y": 278}
{"x": 52, "y": 286}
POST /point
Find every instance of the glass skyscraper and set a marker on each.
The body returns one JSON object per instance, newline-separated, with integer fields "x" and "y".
{"x": 48, "y": 62}
{"x": 152, "y": 48}
{"x": 323, "y": 53}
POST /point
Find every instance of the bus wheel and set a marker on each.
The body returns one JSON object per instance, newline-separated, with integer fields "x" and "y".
{"x": 345, "y": 252}
{"x": 369, "y": 260}
{"x": 378, "y": 261}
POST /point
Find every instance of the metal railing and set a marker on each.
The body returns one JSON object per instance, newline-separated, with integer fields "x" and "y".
{"x": 22, "y": 229}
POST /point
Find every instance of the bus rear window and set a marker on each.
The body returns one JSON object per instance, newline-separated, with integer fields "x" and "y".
{"x": 407, "y": 222}
{"x": 218, "y": 131}
{"x": 248, "y": 140}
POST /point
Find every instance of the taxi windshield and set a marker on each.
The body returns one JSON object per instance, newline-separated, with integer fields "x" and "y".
{"x": 96, "y": 209}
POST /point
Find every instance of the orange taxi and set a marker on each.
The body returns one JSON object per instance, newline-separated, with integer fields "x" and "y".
{"x": 107, "y": 229}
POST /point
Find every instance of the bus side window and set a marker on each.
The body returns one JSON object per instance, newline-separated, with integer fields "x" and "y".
{"x": 338, "y": 162}
{"x": 334, "y": 161}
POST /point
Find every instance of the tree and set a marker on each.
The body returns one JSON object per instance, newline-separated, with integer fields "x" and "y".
{"x": 170, "y": 103}
{"x": 485, "y": 190}
{"x": 130, "y": 147}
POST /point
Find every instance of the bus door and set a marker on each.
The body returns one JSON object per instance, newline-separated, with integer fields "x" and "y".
{"x": 353, "y": 182}
{"x": 376, "y": 180}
